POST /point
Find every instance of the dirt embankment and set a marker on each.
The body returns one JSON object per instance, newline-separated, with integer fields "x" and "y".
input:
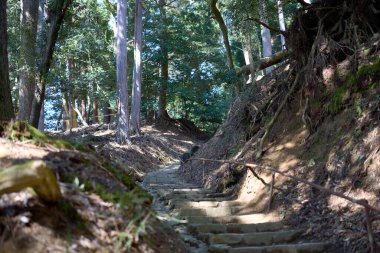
{"x": 332, "y": 139}
{"x": 102, "y": 209}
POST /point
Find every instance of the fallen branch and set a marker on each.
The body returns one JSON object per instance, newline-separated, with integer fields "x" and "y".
{"x": 263, "y": 63}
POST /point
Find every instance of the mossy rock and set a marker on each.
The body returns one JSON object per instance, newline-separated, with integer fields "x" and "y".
{"x": 22, "y": 131}
{"x": 34, "y": 174}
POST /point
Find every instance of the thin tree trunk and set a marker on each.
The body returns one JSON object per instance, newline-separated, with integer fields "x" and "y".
{"x": 83, "y": 109}
{"x": 218, "y": 17}
{"x": 57, "y": 14}
{"x": 6, "y": 106}
{"x": 29, "y": 22}
{"x": 122, "y": 131}
{"x": 41, "y": 121}
{"x": 66, "y": 113}
{"x": 59, "y": 120}
{"x": 79, "y": 115}
{"x": 265, "y": 33}
{"x": 137, "y": 71}
{"x": 164, "y": 64}
{"x": 107, "y": 113}
{"x": 95, "y": 108}
{"x": 281, "y": 21}
{"x": 72, "y": 96}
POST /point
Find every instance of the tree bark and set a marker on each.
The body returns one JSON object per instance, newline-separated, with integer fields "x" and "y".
{"x": 281, "y": 21}
{"x": 41, "y": 121}
{"x": 83, "y": 108}
{"x": 107, "y": 113}
{"x": 137, "y": 71}
{"x": 218, "y": 17}
{"x": 122, "y": 131}
{"x": 164, "y": 64}
{"x": 265, "y": 33}
{"x": 29, "y": 20}
{"x": 57, "y": 13}
{"x": 95, "y": 107}
{"x": 6, "y": 111}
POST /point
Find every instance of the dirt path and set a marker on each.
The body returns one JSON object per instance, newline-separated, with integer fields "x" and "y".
{"x": 211, "y": 222}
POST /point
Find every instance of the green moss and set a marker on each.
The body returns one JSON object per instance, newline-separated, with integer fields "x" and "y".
{"x": 369, "y": 70}
{"x": 22, "y": 131}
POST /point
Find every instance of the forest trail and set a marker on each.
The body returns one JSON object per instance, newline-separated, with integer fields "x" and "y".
{"x": 213, "y": 222}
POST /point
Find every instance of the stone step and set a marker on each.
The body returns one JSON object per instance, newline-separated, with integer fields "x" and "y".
{"x": 175, "y": 203}
{"x": 235, "y": 228}
{"x": 194, "y": 196}
{"x": 160, "y": 185}
{"x": 210, "y": 212}
{"x": 239, "y": 219}
{"x": 285, "y": 248}
{"x": 251, "y": 239}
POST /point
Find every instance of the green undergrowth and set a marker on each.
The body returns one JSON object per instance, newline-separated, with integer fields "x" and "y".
{"x": 22, "y": 131}
{"x": 367, "y": 78}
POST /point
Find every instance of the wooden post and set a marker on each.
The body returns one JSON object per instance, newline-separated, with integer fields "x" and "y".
{"x": 271, "y": 192}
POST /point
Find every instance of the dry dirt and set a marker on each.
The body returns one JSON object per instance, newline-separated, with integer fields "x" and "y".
{"x": 84, "y": 221}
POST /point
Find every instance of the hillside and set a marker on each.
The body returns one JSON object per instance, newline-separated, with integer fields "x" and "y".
{"x": 330, "y": 137}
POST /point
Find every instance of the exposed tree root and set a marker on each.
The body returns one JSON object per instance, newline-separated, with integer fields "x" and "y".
{"x": 274, "y": 118}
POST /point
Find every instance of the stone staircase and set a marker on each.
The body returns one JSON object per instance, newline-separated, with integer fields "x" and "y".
{"x": 216, "y": 223}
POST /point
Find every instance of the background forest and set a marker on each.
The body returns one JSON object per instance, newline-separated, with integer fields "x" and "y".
{"x": 82, "y": 76}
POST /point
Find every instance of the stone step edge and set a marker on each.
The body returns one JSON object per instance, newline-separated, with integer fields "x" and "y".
{"x": 310, "y": 247}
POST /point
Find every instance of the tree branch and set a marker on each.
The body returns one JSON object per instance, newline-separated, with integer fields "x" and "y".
{"x": 223, "y": 28}
{"x": 263, "y": 63}
{"x": 267, "y": 26}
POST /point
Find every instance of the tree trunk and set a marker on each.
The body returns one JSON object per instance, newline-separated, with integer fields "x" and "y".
{"x": 72, "y": 95}
{"x": 164, "y": 64}
{"x": 78, "y": 114}
{"x": 83, "y": 109}
{"x": 66, "y": 113}
{"x": 107, "y": 113}
{"x": 265, "y": 33}
{"x": 57, "y": 13}
{"x": 218, "y": 17}
{"x": 95, "y": 107}
{"x": 29, "y": 22}
{"x": 122, "y": 131}
{"x": 281, "y": 21}
{"x": 6, "y": 111}
{"x": 41, "y": 121}
{"x": 137, "y": 71}
{"x": 248, "y": 58}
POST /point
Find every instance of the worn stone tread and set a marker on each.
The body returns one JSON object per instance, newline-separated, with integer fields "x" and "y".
{"x": 252, "y": 239}
{"x": 236, "y": 228}
{"x": 282, "y": 248}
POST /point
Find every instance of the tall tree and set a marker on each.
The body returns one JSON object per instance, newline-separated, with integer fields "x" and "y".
{"x": 122, "y": 131}
{"x": 265, "y": 33}
{"x": 6, "y": 106}
{"x": 29, "y": 22}
{"x": 136, "y": 88}
{"x": 57, "y": 11}
{"x": 281, "y": 21}
{"x": 164, "y": 63}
